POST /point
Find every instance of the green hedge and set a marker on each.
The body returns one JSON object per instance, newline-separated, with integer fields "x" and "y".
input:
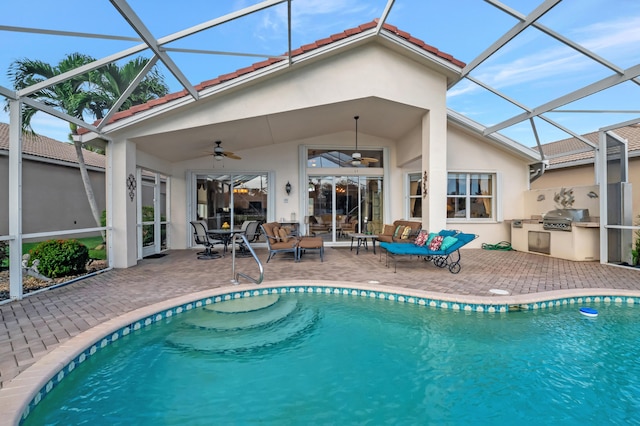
{"x": 60, "y": 258}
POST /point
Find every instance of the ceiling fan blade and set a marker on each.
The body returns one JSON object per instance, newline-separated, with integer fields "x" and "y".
{"x": 367, "y": 160}
{"x": 232, "y": 155}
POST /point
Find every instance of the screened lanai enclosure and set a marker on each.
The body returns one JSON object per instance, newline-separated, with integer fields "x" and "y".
{"x": 518, "y": 74}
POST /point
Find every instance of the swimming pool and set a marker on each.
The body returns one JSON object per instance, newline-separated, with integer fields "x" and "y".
{"x": 351, "y": 359}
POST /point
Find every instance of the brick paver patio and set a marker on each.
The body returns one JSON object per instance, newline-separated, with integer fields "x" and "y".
{"x": 38, "y": 324}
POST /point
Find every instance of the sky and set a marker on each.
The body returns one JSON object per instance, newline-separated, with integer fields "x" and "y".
{"x": 533, "y": 68}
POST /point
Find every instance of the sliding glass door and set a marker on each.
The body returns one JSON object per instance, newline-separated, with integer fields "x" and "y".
{"x": 341, "y": 205}
{"x": 231, "y": 198}
{"x": 345, "y": 196}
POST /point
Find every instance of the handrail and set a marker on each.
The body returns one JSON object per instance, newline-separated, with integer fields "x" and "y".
{"x": 253, "y": 253}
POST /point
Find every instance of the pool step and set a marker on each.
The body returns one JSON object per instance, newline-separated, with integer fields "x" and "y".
{"x": 235, "y": 340}
{"x": 211, "y": 319}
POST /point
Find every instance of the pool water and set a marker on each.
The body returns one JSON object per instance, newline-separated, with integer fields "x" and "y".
{"x": 338, "y": 359}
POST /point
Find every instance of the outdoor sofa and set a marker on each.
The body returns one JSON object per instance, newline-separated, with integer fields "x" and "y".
{"x": 447, "y": 254}
{"x": 402, "y": 231}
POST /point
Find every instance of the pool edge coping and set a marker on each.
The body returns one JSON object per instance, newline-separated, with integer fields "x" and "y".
{"x": 19, "y": 392}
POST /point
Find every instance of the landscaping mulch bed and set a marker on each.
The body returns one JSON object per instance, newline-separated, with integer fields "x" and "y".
{"x": 31, "y": 284}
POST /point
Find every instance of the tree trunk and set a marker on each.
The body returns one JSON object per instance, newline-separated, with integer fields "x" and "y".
{"x": 87, "y": 186}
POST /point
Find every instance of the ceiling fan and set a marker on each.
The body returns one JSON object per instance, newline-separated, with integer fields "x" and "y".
{"x": 356, "y": 157}
{"x": 219, "y": 153}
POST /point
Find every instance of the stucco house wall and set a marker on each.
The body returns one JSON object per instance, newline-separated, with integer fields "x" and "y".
{"x": 53, "y": 194}
{"x": 278, "y": 101}
{"x": 468, "y": 153}
{"x": 585, "y": 175}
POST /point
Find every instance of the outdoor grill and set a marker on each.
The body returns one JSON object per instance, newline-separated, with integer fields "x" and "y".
{"x": 561, "y": 219}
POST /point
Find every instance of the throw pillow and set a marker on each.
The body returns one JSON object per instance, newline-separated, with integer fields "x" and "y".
{"x": 435, "y": 243}
{"x": 398, "y": 231}
{"x": 388, "y": 230}
{"x": 432, "y": 235}
{"x": 406, "y": 232}
{"x": 284, "y": 237}
{"x": 448, "y": 242}
{"x": 276, "y": 233}
{"x": 421, "y": 239}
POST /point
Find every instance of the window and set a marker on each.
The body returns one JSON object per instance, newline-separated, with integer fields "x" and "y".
{"x": 415, "y": 196}
{"x": 331, "y": 158}
{"x": 470, "y": 195}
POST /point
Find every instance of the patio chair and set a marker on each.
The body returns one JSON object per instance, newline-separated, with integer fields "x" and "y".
{"x": 250, "y": 230}
{"x": 279, "y": 242}
{"x": 201, "y": 236}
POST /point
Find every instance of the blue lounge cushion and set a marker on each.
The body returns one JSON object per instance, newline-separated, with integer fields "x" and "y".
{"x": 456, "y": 242}
{"x": 465, "y": 238}
{"x": 447, "y": 233}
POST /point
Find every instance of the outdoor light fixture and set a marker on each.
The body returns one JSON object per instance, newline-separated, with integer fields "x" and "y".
{"x": 311, "y": 187}
{"x": 218, "y": 152}
{"x": 287, "y": 188}
{"x": 356, "y": 157}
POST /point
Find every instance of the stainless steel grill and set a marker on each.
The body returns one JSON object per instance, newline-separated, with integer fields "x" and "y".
{"x": 562, "y": 219}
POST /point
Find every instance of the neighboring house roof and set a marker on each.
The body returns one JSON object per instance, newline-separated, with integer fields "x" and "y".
{"x": 50, "y": 149}
{"x": 299, "y": 51}
{"x": 565, "y": 152}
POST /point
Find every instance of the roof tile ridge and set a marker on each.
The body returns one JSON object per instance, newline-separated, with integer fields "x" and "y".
{"x": 420, "y": 43}
{"x": 270, "y": 61}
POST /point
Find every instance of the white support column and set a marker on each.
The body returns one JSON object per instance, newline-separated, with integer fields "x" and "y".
{"x": 15, "y": 199}
{"x": 434, "y": 163}
{"x": 123, "y": 184}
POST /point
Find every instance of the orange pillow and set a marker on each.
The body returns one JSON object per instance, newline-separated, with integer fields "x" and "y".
{"x": 284, "y": 237}
{"x": 276, "y": 233}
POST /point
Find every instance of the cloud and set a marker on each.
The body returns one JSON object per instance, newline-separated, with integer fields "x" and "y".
{"x": 319, "y": 16}
{"x": 618, "y": 35}
{"x": 616, "y": 39}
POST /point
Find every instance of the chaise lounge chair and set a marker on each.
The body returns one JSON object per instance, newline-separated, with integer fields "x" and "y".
{"x": 447, "y": 255}
{"x": 279, "y": 242}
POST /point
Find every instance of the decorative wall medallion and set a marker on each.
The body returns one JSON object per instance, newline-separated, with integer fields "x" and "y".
{"x": 131, "y": 186}
{"x": 425, "y": 189}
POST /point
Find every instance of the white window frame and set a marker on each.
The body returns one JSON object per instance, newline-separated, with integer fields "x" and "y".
{"x": 410, "y": 196}
{"x": 496, "y": 212}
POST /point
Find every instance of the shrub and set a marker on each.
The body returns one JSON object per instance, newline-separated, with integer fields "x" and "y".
{"x": 60, "y": 258}
{"x": 4, "y": 254}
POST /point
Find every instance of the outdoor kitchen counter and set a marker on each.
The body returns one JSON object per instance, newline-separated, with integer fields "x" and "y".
{"x": 587, "y": 224}
{"x": 582, "y": 243}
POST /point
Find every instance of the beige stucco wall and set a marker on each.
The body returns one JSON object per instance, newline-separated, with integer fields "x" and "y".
{"x": 326, "y": 81}
{"x": 584, "y": 175}
{"x": 468, "y": 153}
{"x": 53, "y": 197}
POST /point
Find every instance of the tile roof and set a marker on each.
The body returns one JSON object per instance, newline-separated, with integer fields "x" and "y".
{"x": 299, "y": 51}
{"x": 44, "y": 147}
{"x": 563, "y": 151}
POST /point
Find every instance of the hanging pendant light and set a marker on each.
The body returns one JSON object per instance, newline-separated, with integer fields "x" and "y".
{"x": 356, "y": 157}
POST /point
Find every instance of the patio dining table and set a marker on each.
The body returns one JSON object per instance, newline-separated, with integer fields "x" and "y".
{"x": 226, "y": 236}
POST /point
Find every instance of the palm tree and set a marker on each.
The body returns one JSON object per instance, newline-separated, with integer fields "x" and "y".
{"x": 93, "y": 94}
